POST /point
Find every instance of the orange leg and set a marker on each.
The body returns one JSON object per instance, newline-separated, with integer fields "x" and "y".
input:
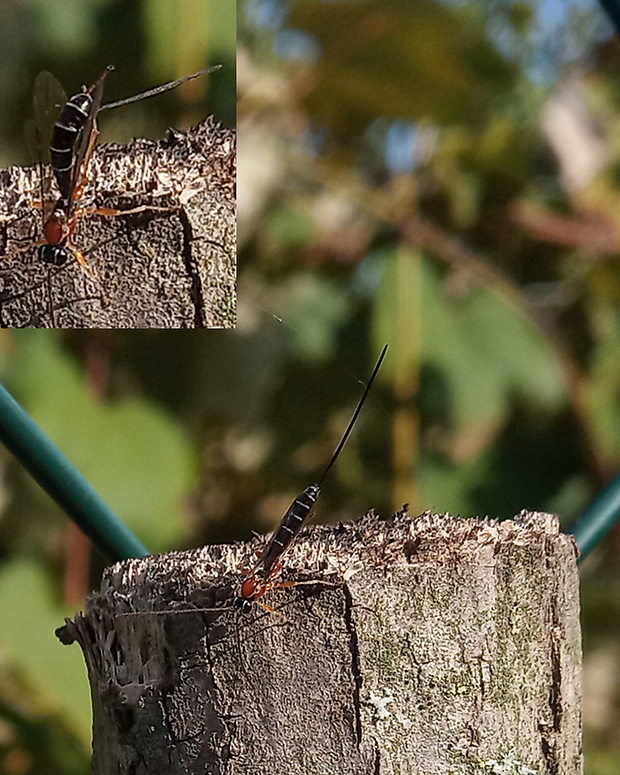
{"x": 105, "y": 299}
{"x": 112, "y": 212}
{"x": 267, "y": 608}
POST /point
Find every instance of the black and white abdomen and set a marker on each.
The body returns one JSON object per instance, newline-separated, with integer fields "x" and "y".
{"x": 64, "y": 139}
{"x": 298, "y": 512}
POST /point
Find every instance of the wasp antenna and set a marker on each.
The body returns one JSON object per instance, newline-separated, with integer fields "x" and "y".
{"x": 353, "y": 419}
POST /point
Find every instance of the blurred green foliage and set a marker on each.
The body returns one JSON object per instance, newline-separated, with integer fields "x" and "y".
{"x": 369, "y": 53}
{"x": 391, "y": 152}
{"x": 50, "y": 674}
{"x": 122, "y": 440}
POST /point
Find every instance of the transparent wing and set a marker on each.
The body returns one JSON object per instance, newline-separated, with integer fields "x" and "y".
{"x": 33, "y": 143}
{"x": 48, "y": 99}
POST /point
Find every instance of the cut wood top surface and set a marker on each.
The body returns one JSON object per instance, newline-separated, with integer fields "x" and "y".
{"x": 344, "y": 550}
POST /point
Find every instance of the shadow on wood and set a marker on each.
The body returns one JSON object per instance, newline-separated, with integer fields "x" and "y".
{"x": 427, "y": 645}
{"x": 172, "y": 266}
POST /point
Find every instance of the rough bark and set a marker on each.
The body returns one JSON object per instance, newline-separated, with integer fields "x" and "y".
{"x": 427, "y": 645}
{"x": 160, "y": 268}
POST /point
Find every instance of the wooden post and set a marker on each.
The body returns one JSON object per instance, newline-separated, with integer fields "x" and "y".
{"x": 427, "y": 645}
{"x": 171, "y": 265}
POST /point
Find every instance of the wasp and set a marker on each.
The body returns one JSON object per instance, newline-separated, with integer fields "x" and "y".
{"x": 65, "y": 132}
{"x": 73, "y": 139}
{"x": 263, "y": 575}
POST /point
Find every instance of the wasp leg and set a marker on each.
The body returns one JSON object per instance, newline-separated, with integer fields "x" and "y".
{"x": 37, "y": 205}
{"x": 112, "y": 212}
{"x": 267, "y": 608}
{"x": 78, "y": 191}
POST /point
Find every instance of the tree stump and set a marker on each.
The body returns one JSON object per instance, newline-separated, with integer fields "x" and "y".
{"x": 169, "y": 265}
{"x": 426, "y": 645}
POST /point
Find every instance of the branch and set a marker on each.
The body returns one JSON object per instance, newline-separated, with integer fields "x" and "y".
{"x": 428, "y": 645}
{"x": 169, "y": 265}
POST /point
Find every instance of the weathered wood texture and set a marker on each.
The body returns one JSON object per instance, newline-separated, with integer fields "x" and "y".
{"x": 427, "y": 645}
{"x": 166, "y": 268}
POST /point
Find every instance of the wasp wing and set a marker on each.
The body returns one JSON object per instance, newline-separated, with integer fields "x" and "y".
{"x": 48, "y": 99}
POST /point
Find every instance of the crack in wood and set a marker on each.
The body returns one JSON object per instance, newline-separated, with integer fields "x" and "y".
{"x": 355, "y": 662}
{"x": 196, "y": 290}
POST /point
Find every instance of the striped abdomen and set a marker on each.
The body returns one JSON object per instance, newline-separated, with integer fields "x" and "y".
{"x": 64, "y": 139}
{"x": 299, "y": 510}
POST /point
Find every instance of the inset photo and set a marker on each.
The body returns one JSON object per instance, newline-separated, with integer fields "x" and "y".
{"x": 118, "y": 193}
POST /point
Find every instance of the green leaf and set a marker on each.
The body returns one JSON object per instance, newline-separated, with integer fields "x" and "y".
{"x": 399, "y": 59}
{"x": 602, "y": 391}
{"x": 56, "y": 674}
{"x": 289, "y": 228}
{"x": 487, "y": 351}
{"x": 444, "y": 487}
{"x": 131, "y": 451}
{"x": 313, "y": 308}
{"x": 483, "y": 351}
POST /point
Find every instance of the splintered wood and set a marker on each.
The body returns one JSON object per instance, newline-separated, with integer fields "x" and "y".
{"x": 426, "y": 645}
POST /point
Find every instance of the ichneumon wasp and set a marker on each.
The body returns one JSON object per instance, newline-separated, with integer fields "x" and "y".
{"x": 71, "y": 126}
{"x": 211, "y": 601}
{"x": 262, "y": 576}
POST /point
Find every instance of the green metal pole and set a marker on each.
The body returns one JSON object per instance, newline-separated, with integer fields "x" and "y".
{"x": 598, "y": 519}
{"x": 64, "y": 483}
